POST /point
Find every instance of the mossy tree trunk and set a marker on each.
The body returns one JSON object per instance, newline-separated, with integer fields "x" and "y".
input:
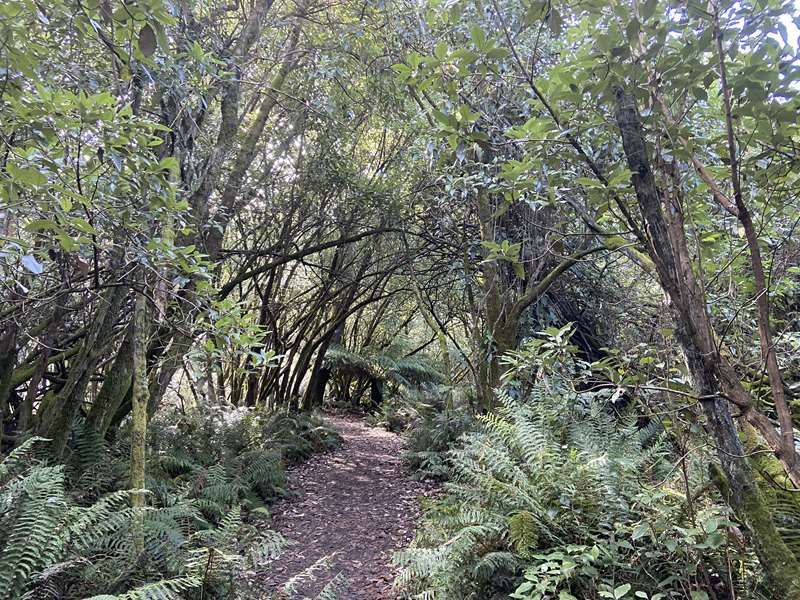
{"x": 49, "y": 341}
{"x": 115, "y": 386}
{"x": 783, "y": 445}
{"x": 59, "y": 413}
{"x": 668, "y": 248}
{"x": 139, "y": 399}
{"x": 8, "y": 360}
{"x": 509, "y": 292}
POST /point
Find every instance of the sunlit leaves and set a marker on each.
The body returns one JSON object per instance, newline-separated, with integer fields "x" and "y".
{"x": 26, "y": 176}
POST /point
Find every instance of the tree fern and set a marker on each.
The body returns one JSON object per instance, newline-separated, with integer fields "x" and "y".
{"x": 392, "y": 364}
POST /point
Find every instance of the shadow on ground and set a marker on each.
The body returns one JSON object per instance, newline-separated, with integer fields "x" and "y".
{"x": 357, "y": 505}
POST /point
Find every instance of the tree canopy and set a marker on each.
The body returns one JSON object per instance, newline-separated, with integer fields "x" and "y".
{"x": 554, "y": 242}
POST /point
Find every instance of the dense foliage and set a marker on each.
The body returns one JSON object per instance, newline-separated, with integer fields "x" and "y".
{"x": 556, "y": 495}
{"x": 68, "y": 531}
{"x": 554, "y": 243}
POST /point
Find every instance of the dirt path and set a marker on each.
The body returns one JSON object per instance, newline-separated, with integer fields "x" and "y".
{"x": 356, "y": 504}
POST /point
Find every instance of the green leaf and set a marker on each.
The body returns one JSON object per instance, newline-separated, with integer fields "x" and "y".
{"x": 402, "y": 70}
{"x": 588, "y": 182}
{"x": 169, "y": 163}
{"x": 620, "y": 591}
{"x": 26, "y": 175}
{"x": 66, "y": 242}
{"x": 41, "y": 225}
{"x": 641, "y": 529}
{"x": 477, "y": 35}
{"x": 632, "y": 32}
{"x": 700, "y": 93}
{"x": 444, "y": 119}
{"x": 497, "y": 53}
{"x": 648, "y": 9}
{"x": 535, "y": 11}
{"x": 555, "y": 22}
{"x": 83, "y": 225}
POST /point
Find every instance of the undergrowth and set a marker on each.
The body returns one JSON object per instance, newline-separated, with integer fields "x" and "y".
{"x": 556, "y": 497}
{"x": 67, "y": 530}
{"x": 431, "y": 436}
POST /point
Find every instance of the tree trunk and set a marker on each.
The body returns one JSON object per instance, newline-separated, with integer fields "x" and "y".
{"x": 669, "y": 251}
{"x": 115, "y": 386}
{"x": 58, "y": 415}
{"x": 375, "y": 394}
{"x": 320, "y": 375}
{"x": 139, "y": 400}
{"x": 8, "y": 360}
{"x": 784, "y": 449}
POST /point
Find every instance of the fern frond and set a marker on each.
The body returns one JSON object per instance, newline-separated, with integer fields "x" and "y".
{"x": 167, "y": 589}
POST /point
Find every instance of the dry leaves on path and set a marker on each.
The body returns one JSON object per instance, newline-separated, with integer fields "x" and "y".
{"x": 357, "y": 505}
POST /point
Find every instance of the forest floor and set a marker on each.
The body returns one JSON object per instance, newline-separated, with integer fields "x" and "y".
{"x": 356, "y": 505}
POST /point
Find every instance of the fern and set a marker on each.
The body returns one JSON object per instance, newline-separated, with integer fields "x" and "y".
{"x": 178, "y": 463}
{"x": 430, "y": 437}
{"x": 20, "y": 457}
{"x": 333, "y": 589}
{"x": 168, "y": 589}
{"x": 35, "y": 514}
{"x": 67, "y": 533}
{"x": 523, "y": 531}
{"x": 263, "y": 471}
{"x": 393, "y": 364}
{"x": 310, "y": 573}
{"x": 540, "y": 475}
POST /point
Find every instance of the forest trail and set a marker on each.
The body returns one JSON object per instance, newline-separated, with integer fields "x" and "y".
{"x": 357, "y": 505}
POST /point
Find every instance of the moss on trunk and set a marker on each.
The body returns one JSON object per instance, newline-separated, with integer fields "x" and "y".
{"x": 139, "y": 419}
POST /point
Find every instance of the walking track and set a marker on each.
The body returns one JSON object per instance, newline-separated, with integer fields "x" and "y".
{"x": 357, "y": 506}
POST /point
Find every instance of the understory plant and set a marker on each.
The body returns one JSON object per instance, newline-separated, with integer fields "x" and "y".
{"x": 556, "y": 495}
{"x": 69, "y": 530}
{"x": 430, "y": 436}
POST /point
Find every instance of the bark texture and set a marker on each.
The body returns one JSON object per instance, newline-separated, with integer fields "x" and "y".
{"x": 669, "y": 251}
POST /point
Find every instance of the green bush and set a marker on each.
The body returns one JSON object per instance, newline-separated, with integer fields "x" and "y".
{"x": 430, "y": 437}
{"x": 555, "y": 496}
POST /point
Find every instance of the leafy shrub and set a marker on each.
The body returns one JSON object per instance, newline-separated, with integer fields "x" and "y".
{"x": 52, "y": 547}
{"x": 235, "y": 456}
{"x": 394, "y": 414}
{"x": 402, "y": 411}
{"x": 299, "y": 435}
{"x": 429, "y": 439}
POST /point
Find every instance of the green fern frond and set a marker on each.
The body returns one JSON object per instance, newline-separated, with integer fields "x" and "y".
{"x": 167, "y": 589}
{"x": 32, "y": 528}
{"x": 20, "y": 457}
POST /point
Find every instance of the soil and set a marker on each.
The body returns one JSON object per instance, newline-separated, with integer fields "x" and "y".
{"x": 356, "y": 506}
